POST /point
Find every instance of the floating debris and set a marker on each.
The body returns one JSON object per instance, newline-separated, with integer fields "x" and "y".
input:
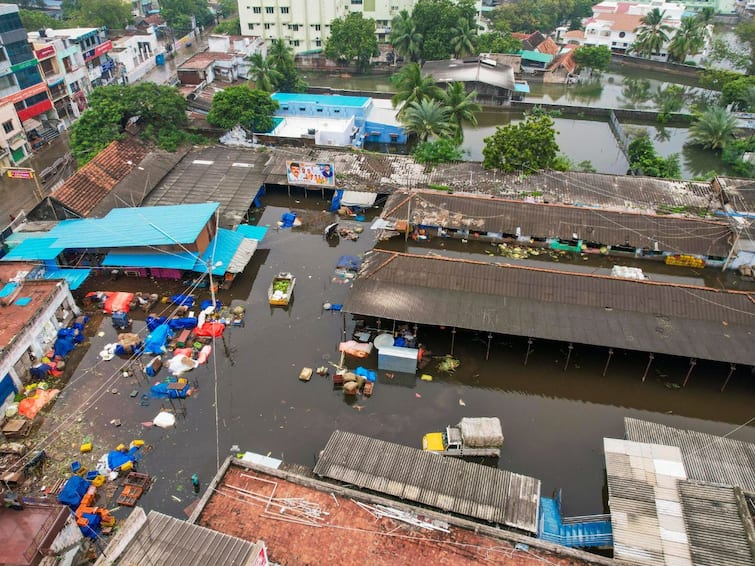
{"x": 448, "y": 364}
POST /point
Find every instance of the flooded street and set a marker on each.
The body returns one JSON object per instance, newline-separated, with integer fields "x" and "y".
{"x": 553, "y": 421}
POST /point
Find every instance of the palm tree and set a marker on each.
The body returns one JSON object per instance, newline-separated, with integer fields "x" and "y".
{"x": 405, "y": 38}
{"x": 263, "y": 73}
{"x": 689, "y": 40}
{"x": 411, "y": 86}
{"x": 279, "y": 52}
{"x": 427, "y": 118}
{"x": 462, "y": 108}
{"x": 713, "y": 129}
{"x": 463, "y": 38}
{"x": 652, "y": 35}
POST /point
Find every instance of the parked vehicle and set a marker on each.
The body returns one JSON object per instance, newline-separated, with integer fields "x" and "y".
{"x": 281, "y": 289}
{"x": 473, "y": 436}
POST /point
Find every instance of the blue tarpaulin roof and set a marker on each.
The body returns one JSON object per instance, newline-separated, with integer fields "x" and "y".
{"x": 137, "y": 227}
{"x": 8, "y": 289}
{"x": 74, "y": 277}
{"x": 521, "y": 87}
{"x": 166, "y": 260}
{"x": 222, "y": 249}
{"x": 34, "y": 249}
{"x": 252, "y": 232}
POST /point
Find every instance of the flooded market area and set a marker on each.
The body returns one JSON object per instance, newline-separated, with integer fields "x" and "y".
{"x": 249, "y": 397}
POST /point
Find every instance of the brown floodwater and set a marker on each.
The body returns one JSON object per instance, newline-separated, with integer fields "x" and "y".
{"x": 554, "y": 421}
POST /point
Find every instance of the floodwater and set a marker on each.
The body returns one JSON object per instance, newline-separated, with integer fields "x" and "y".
{"x": 553, "y": 420}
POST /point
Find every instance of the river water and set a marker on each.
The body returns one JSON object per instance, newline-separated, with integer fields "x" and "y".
{"x": 553, "y": 421}
{"x": 579, "y": 140}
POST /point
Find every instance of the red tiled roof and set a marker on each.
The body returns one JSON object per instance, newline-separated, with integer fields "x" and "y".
{"x": 16, "y": 317}
{"x": 575, "y": 34}
{"x": 619, "y": 22}
{"x": 548, "y": 46}
{"x": 565, "y": 60}
{"x": 93, "y": 182}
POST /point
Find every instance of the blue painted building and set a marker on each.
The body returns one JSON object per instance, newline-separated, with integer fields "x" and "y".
{"x": 337, "y": 120}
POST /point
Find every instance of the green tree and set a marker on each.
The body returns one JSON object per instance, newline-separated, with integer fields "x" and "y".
{"x": 281, "y": 57}
{"x": 227, "y": 8}
{"x": 406, "y": 40}
{"x": 463, "y": 39}
{"x": 714, "y": 129}
{"x": 178, "y": 13}
{"x": 161, "y": 111}
{"x": 688, "y": 41}
{"x": 745, "y": 31}
{"x": 352, "y": 37}
{"x": 443, "y": 150}
{"x": 739, "y": 93}
{"x": 498, "y": 42}
{"x": 436, "y": 20}
{"x": 542, "y": 15}
{"x": 734, "y": 152}
{"x": 231, "y": 26}
{"x": 529, "y": 145}
{"x": 112, "y": 14}
{"x": 462, "y": 108}
{"x": 644, "y": 160}
{"x": 262, "y": 73}
{"x": 34, "y": 20}
{"x": 253, "y": 109}
{"x": 652, "y": 34}
{"x": 411, "y": 86}
{"x": 593, "y": 57}
{"x": 426, "y": 118}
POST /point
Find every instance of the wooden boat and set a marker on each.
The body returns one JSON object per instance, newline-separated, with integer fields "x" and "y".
{"x": 281, "y": 289}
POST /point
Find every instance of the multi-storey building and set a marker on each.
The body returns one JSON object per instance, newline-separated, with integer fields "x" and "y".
{"x": 305, "y": 24}
{"x": 23, "y": 92}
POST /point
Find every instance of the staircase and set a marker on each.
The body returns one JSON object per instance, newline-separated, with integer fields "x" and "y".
{"x": 48, "y": 133}
{"x": 592, "y": 531}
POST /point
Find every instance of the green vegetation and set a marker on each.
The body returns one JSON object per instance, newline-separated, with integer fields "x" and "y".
{"x": 411, "y": 86}
{"x": 652, "y": 34}
{"x": 593, "y": 57}
{"x": 161, "y": 111}
{"x": 443, "y": 188}
{"x": 689, "y": 39}
{"x": 277, "y": 71}
{"x": 178, "y": 13}
{"x": 529, "y": 145}
{"x": 741, "y": 56}
{"x": 734, "y": 152}
{"x": 644, "y": 160}
{"x": 427, "y": 118}
{"x": 231, "y": 26}
{"x": 444, "y": 150}
{"x": 34, "y": 20}
{"x": 498, "y": 42}
{"x": 543, "y": 15}
{"x": 462, "y": 108}
{"x": 714, "y": 129}
{"x": 253, "y": 109}
{"x": 352, "y": 38}
{"x": 112, "y": 14}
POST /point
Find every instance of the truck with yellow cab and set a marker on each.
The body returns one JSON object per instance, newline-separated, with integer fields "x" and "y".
{"x": 473, "y": 436}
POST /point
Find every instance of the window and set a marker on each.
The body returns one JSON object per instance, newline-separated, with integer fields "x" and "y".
{"x": 337, "y": 110}
{"x": 302, "y": 109}
{"x": 356, "y": 1}
{"x": 267, "y": 26}
{"x": 257, "y": 10}
{"x": 622, "y": 34}
{"x": 294, "y": 27}
{"x": 269, "y": 10}
{"x": 319, "y": 109}
{"x": 318, "y": 43}
{"x": 284, "y": 10}
{"x": 8, "y": 126}
{"x": 251, "y": 26}
{"x": 317, "y": 27}
{"x": 3, "y": 56}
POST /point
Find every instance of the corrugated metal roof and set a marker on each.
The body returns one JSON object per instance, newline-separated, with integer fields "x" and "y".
{"x": 570, "y": 307}
{"x": 707, "y": 457}
{"x": 501, "y": 76}
{"x": 230, "y": 176}
{"x": 35, "y": 249}
{"x": 151, "y": 258}
{"x": 252, "y": 232}
{"x": 720, "y": 534}
{"x": 450, "y": 484}
{"x": 740, "y": 193}
{"x": 646, "y": 514}
{"x": 222, "y": 250}
{"x": 168, "y": 541}
{"x": 470, "y": 212}
{"x": 74, "y": 277}
{"x": 138, "y": 226}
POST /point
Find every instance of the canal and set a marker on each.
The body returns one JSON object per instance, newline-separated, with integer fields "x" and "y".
{"x": 553, "y": 421}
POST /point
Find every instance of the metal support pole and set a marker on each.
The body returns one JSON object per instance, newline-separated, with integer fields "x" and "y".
{"x": 529, "y": 349}
{"x": 393, "y": 331}
{"x": 651, "y": 357}
{"x": 453, "y": 339}
{"x": 692, "y": 364}
{"x": 608, "y": 361}
{"x": 568, "y": 356}
{"x": 378, "y": 325}
{"x": 487, "y": 354}
{"x": 414, "y": 330}
{"x": 732, "y": 369}
{"x": 343, "y": 318}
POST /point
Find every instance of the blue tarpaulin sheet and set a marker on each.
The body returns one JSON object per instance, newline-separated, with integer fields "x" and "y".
{"x": 252, "y": 232}
{"x": 73, "y": 491}
{"x": 182, "y": 300}
{"x": 153, "y": 322}
{"x": 65, "y": 342}
{"x": 161, "y": 391}
{"x": 8, "y": 289}
{"x": 155, "y": 342}
{"x": 116, "y": 459}
{"x": 288, "y": 219}
{"x": 350, "y": 262}
{"x": 181, "y": 323}
{"x": 92, "y": 527}
{"x": 335, "y": 204}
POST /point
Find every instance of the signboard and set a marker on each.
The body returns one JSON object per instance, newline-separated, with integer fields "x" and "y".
{"x": 45, "y": 52}
{"x": 24, "y": 94}
{"x": 261, "y": 558}
{"x": 20, "y": 174}
{"x": 24, "y": 65}
{"x": 101, "y": 49}
{"x": 309, "y": 173}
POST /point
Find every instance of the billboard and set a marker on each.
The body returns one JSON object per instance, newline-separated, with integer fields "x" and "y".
{"x": 310, "y": 173}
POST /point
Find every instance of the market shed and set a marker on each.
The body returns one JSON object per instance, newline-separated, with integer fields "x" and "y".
{"x": 450, "y": 484}
{"x": 674, "y": 319}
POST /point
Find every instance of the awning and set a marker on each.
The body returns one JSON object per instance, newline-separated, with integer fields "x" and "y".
{"x": 358, "y": 198}
{"x": 32, "y": 124}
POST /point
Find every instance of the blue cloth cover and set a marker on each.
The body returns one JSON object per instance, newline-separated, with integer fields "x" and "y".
{"x": 155, "y": 321}
{"x": 155, "y": 342}
{"x": 288, "y": 219}
{"x": 181, "y": 323}
{"x": 182, "y": 300}
{"x": 73, "y": 492}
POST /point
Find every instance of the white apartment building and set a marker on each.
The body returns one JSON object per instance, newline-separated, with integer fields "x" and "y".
{"x": 613, "y": 24}
{"x": 305, "y": 24}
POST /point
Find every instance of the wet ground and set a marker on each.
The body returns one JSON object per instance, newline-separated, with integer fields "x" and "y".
{"x": 553, "y": 421}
